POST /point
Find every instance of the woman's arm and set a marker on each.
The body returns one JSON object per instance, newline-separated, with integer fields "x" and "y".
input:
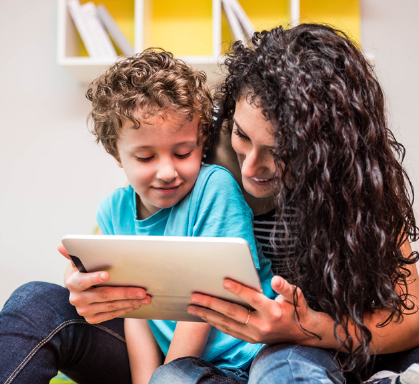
{"x": 273, "y": 322}
{"x": 189, "y": 339}
{"x": 143, "y": 351}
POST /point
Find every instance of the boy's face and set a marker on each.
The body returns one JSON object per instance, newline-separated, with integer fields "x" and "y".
{"x": 161, "y": 160}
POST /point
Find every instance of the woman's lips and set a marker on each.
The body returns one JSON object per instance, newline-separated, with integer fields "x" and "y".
{"x": 261, "y": 181}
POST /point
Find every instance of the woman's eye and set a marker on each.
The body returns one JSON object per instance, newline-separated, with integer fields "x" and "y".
{"x": 144, "y": 159}
{"x": 240, "y": 135}
{"x": 183, "y": 156}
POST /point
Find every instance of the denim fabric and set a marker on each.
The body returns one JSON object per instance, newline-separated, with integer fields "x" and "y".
{"x": 289, "y": 363}
{"x": 41, "y": 333}
{"x": 193, "y": 370}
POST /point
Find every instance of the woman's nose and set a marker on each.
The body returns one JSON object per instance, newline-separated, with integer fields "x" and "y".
{"x": 252, "y": 163}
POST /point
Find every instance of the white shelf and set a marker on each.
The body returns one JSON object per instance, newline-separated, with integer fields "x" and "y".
{"x": 85, "y": 68}
{"x": 213, "y": 35}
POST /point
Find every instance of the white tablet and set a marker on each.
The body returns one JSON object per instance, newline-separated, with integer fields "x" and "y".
{"x": 170, "y": 269}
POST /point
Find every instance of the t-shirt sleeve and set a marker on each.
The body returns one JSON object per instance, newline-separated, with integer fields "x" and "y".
{"x": 223, "y": 212}
{"x": 103, "y": 217}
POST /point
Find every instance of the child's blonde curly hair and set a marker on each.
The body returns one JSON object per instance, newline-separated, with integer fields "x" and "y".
{"x": 153, "y": 82}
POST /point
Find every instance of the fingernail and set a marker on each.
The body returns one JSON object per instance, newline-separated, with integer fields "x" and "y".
{"x": 145, "y": 302}
{"x": 140, "y": 295}
{"x": 192, "y": 310}
{"x": 195, "y": 300}
{"x": 102, "y": 276}
{"x": 227, "y": 284}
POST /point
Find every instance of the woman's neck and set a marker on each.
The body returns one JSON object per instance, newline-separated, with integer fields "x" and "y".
{"x": 257, "y": 205}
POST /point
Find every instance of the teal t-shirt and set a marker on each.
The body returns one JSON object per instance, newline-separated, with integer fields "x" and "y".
{"x": 214, "y": 208}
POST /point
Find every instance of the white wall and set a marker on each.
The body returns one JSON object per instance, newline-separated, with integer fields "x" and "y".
{"x": 52, "y": 174}
{"x": 390, "y": 30}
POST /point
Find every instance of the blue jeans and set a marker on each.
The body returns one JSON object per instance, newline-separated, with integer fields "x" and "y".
{"x": 289, "y": 363}
{"x": 193, "y": 370}
{"x": 41, "y": 333}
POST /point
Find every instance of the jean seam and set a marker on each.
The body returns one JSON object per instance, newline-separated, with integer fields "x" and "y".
{"x": 49, "y": 337}
{"x": 119, "y": 337}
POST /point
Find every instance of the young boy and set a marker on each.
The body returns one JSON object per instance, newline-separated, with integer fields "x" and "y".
{"x": 152, "y": 113}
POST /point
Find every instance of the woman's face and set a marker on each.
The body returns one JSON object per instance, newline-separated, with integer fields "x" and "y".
{"x": 254, "y": 143}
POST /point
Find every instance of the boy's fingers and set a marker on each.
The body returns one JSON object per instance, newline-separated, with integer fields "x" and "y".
{"x": 63, "y": 251}
{"x": 83, "y": 281}
{"x": 105, "y": 316}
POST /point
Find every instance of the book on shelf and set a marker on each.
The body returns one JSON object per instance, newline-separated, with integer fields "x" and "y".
{"x": 91, "y": 30}
{"x": 100, "y": 35}
{"x": 240, "y": 25}
{"x": 114, "y": 31}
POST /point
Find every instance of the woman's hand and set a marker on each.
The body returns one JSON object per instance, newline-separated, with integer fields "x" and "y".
{"x": 271, "y": 321}
{"x": 102, "y": 303}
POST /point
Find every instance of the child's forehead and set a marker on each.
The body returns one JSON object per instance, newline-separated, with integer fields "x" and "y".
{"x": 159, "y": 117}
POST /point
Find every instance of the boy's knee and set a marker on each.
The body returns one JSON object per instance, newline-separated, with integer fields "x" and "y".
{"x": 32, "y": 296}
{"x": 162, "y": 374}
{"x": 184, "y": 370}
{"x": 38, "y": 289}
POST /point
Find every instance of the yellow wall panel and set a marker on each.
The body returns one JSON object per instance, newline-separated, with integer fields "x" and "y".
{"x": 266, "y": 14}
{"x": 272, "y": 14}
{"x": 342, "y": 14}
{"x": 183, "y": 27}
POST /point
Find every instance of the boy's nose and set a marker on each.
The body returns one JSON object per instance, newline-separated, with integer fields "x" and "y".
{"x": 166, "y": 171}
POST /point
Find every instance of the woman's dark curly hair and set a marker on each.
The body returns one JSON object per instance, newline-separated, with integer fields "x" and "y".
{"x": 352, "y": 197}
{"x": 153, "y": 82}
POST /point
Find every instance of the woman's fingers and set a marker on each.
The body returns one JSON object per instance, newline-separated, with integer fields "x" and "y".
{"x": 255, "y": 299}
{"x": 223, "y": 323}
{"x": 233, "y": 311}
{"x": 286, "y": 291}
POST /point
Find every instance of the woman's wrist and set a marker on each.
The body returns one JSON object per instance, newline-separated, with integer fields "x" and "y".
{"x": 319, "y": 331}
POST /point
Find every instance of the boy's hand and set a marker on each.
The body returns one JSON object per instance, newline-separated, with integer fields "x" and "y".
{"x": 102, "y": 303}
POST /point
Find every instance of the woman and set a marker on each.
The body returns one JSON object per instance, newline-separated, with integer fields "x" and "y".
{"x": 309, "y": 126}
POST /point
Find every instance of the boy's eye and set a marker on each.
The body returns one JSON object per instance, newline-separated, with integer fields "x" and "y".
{"x": 240, "y": 135}
{"x": 183, "y": 156}
{"x": 144, "y": 159}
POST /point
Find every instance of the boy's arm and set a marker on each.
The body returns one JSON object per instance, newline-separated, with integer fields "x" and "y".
{"x": 189, "y": 339}
{"x": 143, "y": 352}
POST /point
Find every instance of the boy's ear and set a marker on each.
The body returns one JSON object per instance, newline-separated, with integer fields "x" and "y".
{"x": 118, "y": 162}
